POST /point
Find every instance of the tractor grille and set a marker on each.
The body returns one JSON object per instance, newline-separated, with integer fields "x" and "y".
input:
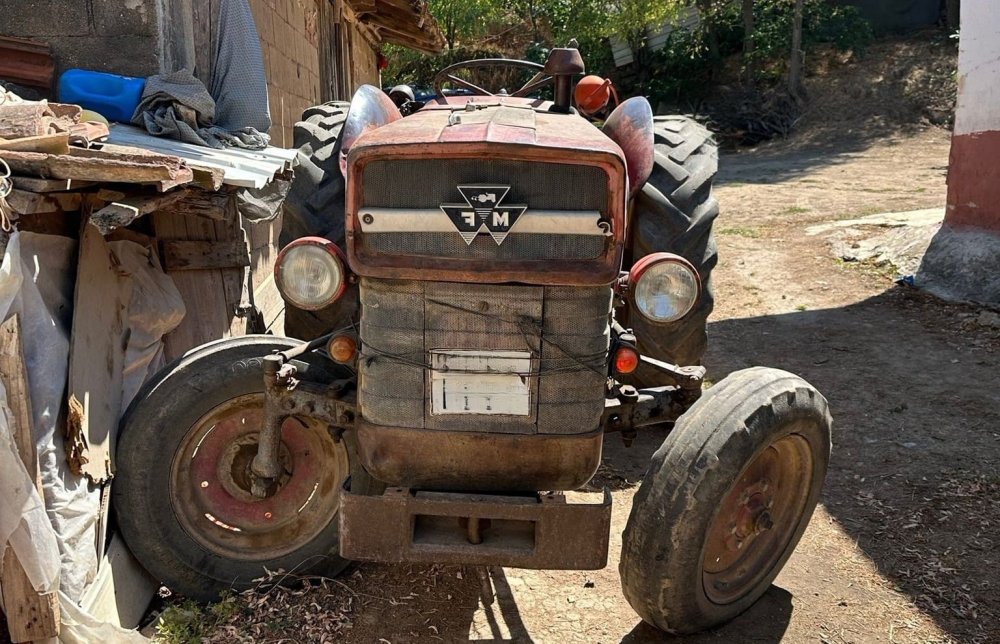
{"x": 428, "y": 183}
{"x": 515, "y": 247}
{"x": 564, "y": 328}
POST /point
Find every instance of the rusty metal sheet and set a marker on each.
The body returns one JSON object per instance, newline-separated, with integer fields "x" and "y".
{"x": 538, "y": 531}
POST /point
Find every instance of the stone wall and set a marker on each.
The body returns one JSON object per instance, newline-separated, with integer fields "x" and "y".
{"x": 120, "y": 36}
{"x": 289, "y": 34}
{"x": 145, "y": 37}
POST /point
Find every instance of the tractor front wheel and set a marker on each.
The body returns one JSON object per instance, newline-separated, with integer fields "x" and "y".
{"x": 725, "y": 500}
{"x": 183, "y": 487}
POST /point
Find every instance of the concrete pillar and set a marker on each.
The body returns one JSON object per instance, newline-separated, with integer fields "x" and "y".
{"x": 963, "y": 261}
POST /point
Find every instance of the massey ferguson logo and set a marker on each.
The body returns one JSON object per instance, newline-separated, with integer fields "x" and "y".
{"x": 482, "y": 212}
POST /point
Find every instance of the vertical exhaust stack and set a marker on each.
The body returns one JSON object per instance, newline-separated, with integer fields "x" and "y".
{"x": 563, "y": 64}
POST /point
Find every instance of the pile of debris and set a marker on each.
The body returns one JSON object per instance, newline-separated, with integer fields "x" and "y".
{"x": 121, "y": 251}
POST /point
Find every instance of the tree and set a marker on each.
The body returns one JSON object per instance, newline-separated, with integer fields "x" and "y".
{"x": 463, "y": 20}
{"x": 795, "y": 64}
{"x": 749, "y": 66}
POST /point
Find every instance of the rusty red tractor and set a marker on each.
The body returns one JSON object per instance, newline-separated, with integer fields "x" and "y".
{"x": 481, "y": 291}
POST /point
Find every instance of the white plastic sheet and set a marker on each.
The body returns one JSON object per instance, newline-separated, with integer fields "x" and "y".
{"x": 37, "y": 280}
{"x": 156, "y": 308}
{"x": 23, "y": 520}
{"x": 56, "y": 541}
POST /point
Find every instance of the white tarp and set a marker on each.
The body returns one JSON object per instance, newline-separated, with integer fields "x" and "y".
{"x": 37, "y": 279}
{"x": 29, "y": 287}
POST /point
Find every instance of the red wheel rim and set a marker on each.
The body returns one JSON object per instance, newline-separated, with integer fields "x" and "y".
{"x": 210, "y": 483}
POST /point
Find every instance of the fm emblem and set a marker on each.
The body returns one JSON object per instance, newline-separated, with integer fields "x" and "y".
{"x": 483, "y": 211}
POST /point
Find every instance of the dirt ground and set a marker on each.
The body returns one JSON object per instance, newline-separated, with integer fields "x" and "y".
{"x": 904, "y": 545}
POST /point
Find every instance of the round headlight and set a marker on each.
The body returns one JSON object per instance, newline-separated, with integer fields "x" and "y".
{"x": 310, "y": 273}
{"x": 664, "y": 287}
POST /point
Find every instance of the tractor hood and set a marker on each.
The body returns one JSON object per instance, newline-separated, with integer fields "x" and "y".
{"x": 493, "y": 120}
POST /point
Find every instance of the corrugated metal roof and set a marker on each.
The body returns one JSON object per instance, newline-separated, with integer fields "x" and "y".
{"x": 243, "y": 168}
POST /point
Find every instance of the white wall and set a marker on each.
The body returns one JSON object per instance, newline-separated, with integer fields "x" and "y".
{"x": 979, "y": 68}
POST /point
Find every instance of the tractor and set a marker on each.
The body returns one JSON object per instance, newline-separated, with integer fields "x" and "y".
{"x": 479, "y": 292}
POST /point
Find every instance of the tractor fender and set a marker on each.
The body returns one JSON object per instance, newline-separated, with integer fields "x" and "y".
{"x": 370, "y": 109}
{"x": 631, "y": 127}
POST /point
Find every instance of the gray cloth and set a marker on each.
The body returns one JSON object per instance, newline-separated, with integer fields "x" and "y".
{"x": 263, "y": 204}
{"x": 239, "y": 80}
{"x": 235, "y": 113}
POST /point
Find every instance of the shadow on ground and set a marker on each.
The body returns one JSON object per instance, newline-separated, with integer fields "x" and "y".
{"x": 914, "y": 476}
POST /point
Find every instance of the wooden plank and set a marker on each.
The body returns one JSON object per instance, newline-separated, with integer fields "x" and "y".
{"x": 47, "y": 143}
{"x": 30, "y": 615}
{"x": 85, "y": 169}
{"x": 97, "y": 356}
{"x": 181, "y": 255}
{"x": 36, "y": 184}
{"x": 180, "y": 174}
{"x": 65, "y": 225}
{"x": 33, "y": 203}
{"x": 203, "y": 19}
{"x": 263, "y": 241}
{"x": 210, "y": 205}
{"x": 123, "y": 212}
{"x": 209, "y": 315}
{"x": 208, "y": 178}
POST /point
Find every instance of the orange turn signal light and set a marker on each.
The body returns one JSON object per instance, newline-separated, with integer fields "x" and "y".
{"x": 626, "y": 360}
{"x": 343, "y": 349}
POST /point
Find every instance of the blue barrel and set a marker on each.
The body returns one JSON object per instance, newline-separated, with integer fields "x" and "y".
{"x": 114, "y": 97}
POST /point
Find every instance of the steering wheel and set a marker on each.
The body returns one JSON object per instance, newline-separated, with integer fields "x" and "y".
{"x": 538, "y": 81}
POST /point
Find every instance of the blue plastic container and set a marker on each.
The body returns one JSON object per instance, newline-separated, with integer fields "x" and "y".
{"x": 114, "y": 97}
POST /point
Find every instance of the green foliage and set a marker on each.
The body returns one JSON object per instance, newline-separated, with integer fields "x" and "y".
{"x": 683, "y": 71}
{"x": 823, "y": 22}
{"x": 464, "y": 20}
{"x": 679, "y": 74}
{"x": 189, "y": 622}
{"x": 412, "y": 68}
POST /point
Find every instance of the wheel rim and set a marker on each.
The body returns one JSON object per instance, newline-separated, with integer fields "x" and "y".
{"x": 758, "y": 519}
{"x": 210, "y": 483}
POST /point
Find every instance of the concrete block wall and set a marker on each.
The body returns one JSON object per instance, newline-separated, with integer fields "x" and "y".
{"x": 289, "y": 34}
{"x": 120, "y": 36}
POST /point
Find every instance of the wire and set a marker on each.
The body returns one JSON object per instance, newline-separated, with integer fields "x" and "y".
{"x": 531, "y": 330}
{"x": 7, "y": 216}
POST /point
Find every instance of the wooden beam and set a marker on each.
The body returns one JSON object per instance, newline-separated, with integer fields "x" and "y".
{"x": 198, "y": 203}
{"x": 86, "y": 169}
{"x": 30, "y": 615}
{"x": 47, "y": 143}
{"x": 33, "y": 203}
{"x": 36, "y": 184}
{"x": 181, "y": 255}
{"x": 121, "y": 213}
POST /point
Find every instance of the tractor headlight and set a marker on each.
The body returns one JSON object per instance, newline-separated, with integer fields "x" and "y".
{"x": 310, "y": 273}
{"x": 664, "y": 287}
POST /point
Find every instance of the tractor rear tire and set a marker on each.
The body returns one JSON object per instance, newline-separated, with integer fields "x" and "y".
{"x": 674, "y": 212}
{"x": 315, "y": 207}
{"x": 725, "y": 500}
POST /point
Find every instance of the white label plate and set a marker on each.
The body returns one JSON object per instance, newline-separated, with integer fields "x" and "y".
{"x": 480, "y": 382}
